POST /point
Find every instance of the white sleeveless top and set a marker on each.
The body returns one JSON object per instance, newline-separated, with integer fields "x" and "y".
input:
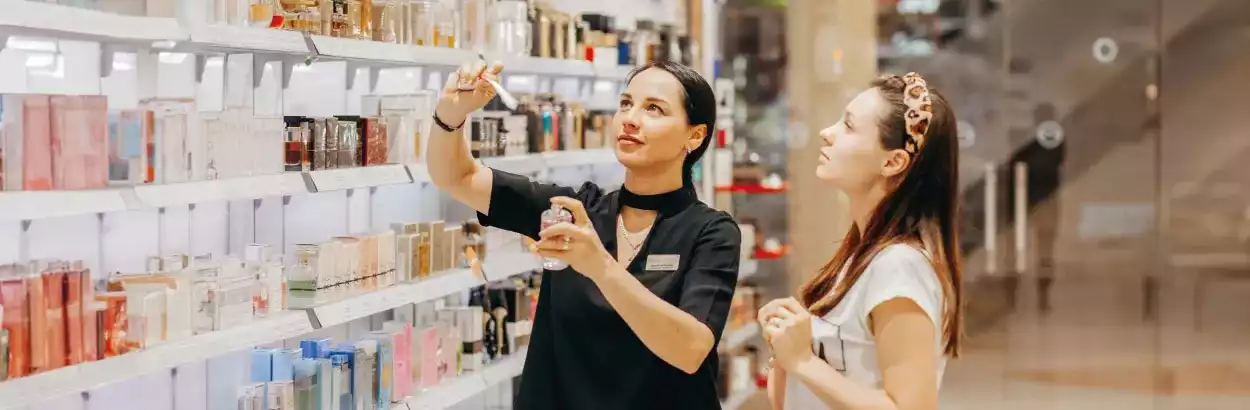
{"x": 843, "y": 337}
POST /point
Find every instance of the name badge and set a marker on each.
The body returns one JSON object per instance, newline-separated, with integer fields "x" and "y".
{"x": 663, "y": 262}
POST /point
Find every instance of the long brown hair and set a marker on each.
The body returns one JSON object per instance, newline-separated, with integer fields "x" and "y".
{"x": 921, "y": 210}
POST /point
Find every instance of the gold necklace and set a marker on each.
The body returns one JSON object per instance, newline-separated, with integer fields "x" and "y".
{"x": 620, "y": 223}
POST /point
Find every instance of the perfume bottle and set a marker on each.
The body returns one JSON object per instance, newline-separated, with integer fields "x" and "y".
{"x": 555, "y": 215}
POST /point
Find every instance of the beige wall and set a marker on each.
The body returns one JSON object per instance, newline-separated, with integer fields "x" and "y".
{"x": 819, "y": 85}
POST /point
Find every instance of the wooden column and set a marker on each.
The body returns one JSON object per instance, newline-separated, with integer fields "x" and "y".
{"x": 832, "y": 57}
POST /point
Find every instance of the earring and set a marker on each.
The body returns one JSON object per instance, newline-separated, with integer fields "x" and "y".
{"x": 687, "y": 150}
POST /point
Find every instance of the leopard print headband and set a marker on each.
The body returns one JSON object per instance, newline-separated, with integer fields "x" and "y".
{"x": 919, "y": 111}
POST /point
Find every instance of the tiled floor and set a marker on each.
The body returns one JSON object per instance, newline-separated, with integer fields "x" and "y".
{"x": 1095, "y": 351}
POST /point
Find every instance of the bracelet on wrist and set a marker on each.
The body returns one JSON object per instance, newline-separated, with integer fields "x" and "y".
{"x": 439, "y": 122}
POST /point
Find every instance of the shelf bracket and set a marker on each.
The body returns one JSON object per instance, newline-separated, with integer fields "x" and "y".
{"x": 4, "y": 41}
{"x": 259, "y": 61}
{"x": 107, "y": 55}
{"x": 353, "y": 69}
{"x": 201, "y": 61}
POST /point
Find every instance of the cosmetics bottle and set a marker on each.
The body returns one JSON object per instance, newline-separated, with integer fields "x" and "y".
{"x": 339, "y": 22}
{"x": 333, "y": 138}
{"x": 348, "y": 263}
{"x": 450, "y": 345}
{"x": 556, "y": 214}
{"x": 171, "y": 130}
{"x": 16, "y": 322}
{"x": 316, "y": 146}
{"x": 306, "y": 384}
{"x": 296, "y": 145}
{"x": 303, "y": 275}
{"x": 347, "y": 144}
{"x": 236, "y": 300}
{"x": 376, "y": 152}
{"x": 423, "y": 14}
{"x": 129, "y": 132}
{"x": 539, "y": 26}
{"x": 425, "y": 250}
{"x": 327, "y": 270}
{"x": 448, "y": 24}
{"x": 364, "y": 374}
{"x": 384, "y": 378}
{"x": 362, "y": 15}
{"x": 28, "y": 146}
{"x": 386, "y": 22}
{"x": 384, "y": 253}
{"x": 469, "y": 320}
{"x": 72, "y": 289}
{"x": 511, "y": 30}
{"x": 341, "y": 378}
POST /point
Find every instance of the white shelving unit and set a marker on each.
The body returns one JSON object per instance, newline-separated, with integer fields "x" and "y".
{"x": 28, "y": 205}
{"x": 452, "y": 392}
{"x": 28, "y": 391}
{"x": 118, "y": 226}
{"x": 25, "y": 391}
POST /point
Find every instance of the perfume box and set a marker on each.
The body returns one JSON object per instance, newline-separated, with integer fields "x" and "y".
{"x": 28, "y": 152}
{"x": 341, "y": 378}
{"x": 365, "y": 374}
{"x": 16, "y": 325}
{"x": 385, "y": 362}
{"x": 469, "y": 319}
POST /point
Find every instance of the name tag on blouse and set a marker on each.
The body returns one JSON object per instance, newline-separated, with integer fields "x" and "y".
{"x": 663, "y": 262}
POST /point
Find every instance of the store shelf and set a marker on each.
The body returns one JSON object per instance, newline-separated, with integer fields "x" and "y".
{"x": 366, "y": 304}
{"x": 618, "y": 73}
{"x": 517, "y": 164}
{"x": 352, "y": 178}
{"x": 25, "y": 391}
{"x": 499, "y": 267}
{"x": 261, "y": 186}
{"x": 579, "y": 158}
{"x": 74, "y": 23}
{"x": 380, "y": 53}
{"x": 456, "y": 390}
{"x": 545, "y": 66}
{"x": 245, "y": 39}
{"x": 738, "y": 338}
{"x": 24, "y": 205}
{"x": 21, "y": 205}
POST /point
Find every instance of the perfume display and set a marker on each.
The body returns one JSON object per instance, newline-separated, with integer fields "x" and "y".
{"x": 400, "y": 123}
{"x": 344, "y": 266}
{"x": 55, "y": 142}
{"x": 50, "y": 316}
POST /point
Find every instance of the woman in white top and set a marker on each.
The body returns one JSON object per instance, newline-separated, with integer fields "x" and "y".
{"x": 873, "y": 328}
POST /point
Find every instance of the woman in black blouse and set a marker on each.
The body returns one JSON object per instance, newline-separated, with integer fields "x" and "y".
{"x": 634, "y": 321}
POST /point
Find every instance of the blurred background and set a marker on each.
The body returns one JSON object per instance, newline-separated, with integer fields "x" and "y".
{"x": 1106, "y": 217}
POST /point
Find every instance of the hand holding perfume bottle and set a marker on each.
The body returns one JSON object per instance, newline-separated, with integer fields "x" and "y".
{"x": 568, "y": 237}
{"x": 466, "y": 91}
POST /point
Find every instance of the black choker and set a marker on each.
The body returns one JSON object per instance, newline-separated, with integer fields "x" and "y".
{"x": 672, "y": 200}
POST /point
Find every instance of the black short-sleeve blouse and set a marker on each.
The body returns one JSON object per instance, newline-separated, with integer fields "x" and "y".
{"x": 582, "y": 354}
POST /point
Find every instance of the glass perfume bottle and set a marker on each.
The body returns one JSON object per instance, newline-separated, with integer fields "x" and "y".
{"x": 296, "y": 158}
{"x": 555, "y": 215}
{"x": 263, "y": 14}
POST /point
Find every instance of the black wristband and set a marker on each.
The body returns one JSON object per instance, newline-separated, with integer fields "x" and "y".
{"x": 439, "y": 122}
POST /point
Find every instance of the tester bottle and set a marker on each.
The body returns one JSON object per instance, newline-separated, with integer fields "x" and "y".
{"x": 555, "y": 215}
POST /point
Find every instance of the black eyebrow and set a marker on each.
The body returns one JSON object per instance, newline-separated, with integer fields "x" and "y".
{"x": 648, "y": 99}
